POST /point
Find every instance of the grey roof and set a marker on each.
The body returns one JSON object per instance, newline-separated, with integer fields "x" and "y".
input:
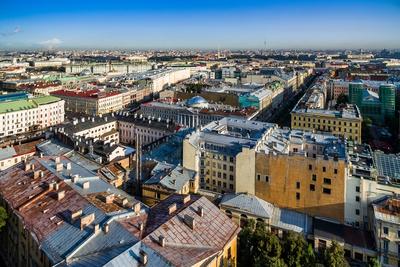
{"x": 7, "y": 152}
{"x": 248, "y": 203}
{"x": 291, "y": 220}
{"x": 53, "y": 147}
{"x": 170, "y": 176}
{"x": 131, "y": 257}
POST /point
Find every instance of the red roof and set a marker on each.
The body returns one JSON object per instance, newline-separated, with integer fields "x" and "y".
{"x": 94, "y": 93}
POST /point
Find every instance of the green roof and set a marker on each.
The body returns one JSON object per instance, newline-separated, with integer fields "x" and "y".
{"x": 42, "y": 100}
{"x": 12, "y": 106}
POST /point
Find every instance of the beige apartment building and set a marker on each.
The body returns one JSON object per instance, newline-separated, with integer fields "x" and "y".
{"x": 345, "y": 123}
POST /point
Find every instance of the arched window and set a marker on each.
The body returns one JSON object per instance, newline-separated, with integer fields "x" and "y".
{"x": 228, "y": 213}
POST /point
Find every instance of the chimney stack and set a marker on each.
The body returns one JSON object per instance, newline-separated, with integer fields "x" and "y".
{"x": 172, "y": 208}
{"x": 161, "y": 240}
{"x": 106, "y": 228}
{"x": 186, "y": 199}
{"x": 189, "y": 220}
{"x": 60, "y": 195}
{"x": 86, "y": 185}
{"x": 136, "y": 207}
{"x": 141, "y": 226}
{"x": 59, "y": 167}
{"x": 200, "y": 211}
{"x": 143, "y": 257}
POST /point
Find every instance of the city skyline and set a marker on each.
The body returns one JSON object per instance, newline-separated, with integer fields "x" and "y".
{"x": 205, "y": 25}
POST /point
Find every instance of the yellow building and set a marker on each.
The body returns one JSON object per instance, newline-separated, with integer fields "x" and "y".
{"x": 386, "y": 227}
{"x": 345, "y": 123}
{"x": 315, "y": 186}
{"x": 167, "y": 179}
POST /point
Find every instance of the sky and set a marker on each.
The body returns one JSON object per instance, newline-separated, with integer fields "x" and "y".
{"x": 206, "y": 24}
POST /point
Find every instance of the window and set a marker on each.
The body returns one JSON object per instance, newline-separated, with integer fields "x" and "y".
{"x": 231, "y": 177}
{"x": 357, "y": 212}
{"x": 266, "y": 178}
{"x": 357, "y": 198}
{"x": 314, "y": 177}
{"x": 357, "y": 189}
{"x": 312, "y": 187}
{"x": 335, "y": 171}
{"x": 327, "y": 181}
{"x": 258, "y": 177}
{"x": 385, "y": 245}
{"x": 385, "y": 230}
{"x": 310, "y": 167}
{"x": 324, "y": 169}
{"x": 298, "y": 196}
{"x": 298, "y": 185}
{"x": 326, "y": 191}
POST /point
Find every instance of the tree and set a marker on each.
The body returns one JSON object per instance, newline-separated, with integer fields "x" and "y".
{"x": 3, "y": 217}
{"x": 308, "y": 258}
{"x": 373, "y": 262}
{"x": 334, "y": 256}
{"x": 296, "y": 251}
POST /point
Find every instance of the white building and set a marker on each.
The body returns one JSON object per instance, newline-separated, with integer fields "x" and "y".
{"x": 26, "y": 115}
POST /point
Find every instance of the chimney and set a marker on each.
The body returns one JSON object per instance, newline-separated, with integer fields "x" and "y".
{"x": 59, "y": 167}
{"x": 75, "y": 214}
{"x": 57, "y": 160}
{"x": 41, "y": 155}
{"x": 124, "y": 202}
{"x": 41, "y": 174}
{"x": 136, "y": 207}
{"x": 69, "y": 166}
{"x": 96, "y": 228}
{"x": 172, "y": 208}
{"x": 60, "y": 195}
{"x": 186, "y": 199}
{"x": 143, "y": 257}
{"x": 86, "y": 185}
{"x": 109, "y": 198}
{"x": 36, "y": 174}
{"x": 200, "y": 211}
{"x": 161, "y": 240}
{"x": 86, "y": 220}
{"x": 32, "y": 167}
{"x": 189, "y": 220}
{"x": 75, "y": 178}
{"x": 27, "y": 167}
{"x": 140, "y": 226}
{"x": 106, "y": 228}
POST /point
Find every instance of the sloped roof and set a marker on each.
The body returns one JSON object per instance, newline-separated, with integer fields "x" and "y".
{"x": 248, "y": 203}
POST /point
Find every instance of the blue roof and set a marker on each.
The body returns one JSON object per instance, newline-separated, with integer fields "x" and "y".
{"x": 196, "y": 100}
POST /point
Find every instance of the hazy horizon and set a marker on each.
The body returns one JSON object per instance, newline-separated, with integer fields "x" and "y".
{"x": 311, "y": 25}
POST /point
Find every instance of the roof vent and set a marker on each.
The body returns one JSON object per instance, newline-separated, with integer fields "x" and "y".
{"x": 171, "y": 208}
{"x": 75, "y": 214}
{"x": 186, "y": 199}
{"x": 161, "y": 240}
{"x": 189, "y": 220}
{"x": 143, "y": 257}
{"x": 200, "y": 211}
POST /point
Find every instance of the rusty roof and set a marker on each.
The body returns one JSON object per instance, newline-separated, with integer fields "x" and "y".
{"x": 184, "y": 246}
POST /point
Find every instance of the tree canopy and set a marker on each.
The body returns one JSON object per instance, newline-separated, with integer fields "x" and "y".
{"x": 259, "y": 247}
{"x": 3, "y": 217}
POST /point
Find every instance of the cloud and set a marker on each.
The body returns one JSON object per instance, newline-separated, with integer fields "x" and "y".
{"x": 10, "y": 33}
{"x": 51, "y": 43}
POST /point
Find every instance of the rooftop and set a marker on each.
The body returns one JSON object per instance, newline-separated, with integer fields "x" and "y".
{"x": 93, "y": 93}
{"x": 19, "y": 105}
